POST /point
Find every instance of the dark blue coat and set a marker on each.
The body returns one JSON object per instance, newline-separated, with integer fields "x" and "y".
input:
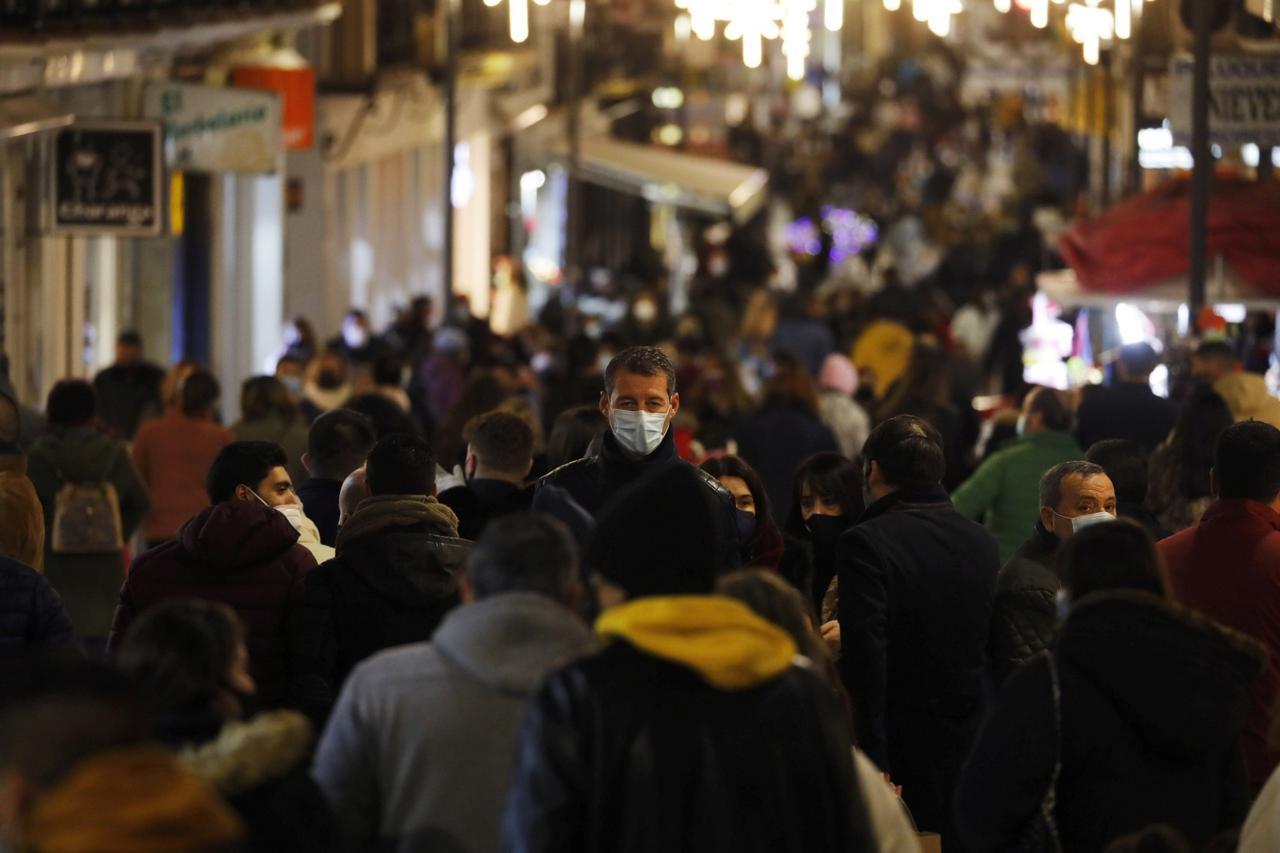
{"x": 32, "y": 618}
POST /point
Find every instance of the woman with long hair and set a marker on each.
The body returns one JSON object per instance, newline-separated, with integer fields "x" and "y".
{"x": 826, "y": 500}
{"x": 1178, "y": 491}
{"x": 758, "y": 531}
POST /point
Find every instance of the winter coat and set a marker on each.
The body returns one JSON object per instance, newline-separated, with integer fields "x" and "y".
{"x": 1127, "y": 410}
{"x": 1228, "y": 568}
{"x": 1152, "y": 698}
{"x": 1004, "y": 493}
{"x": 775, "y": 441}
{"x": 173, "y": 454}
{"x": 1247, "y": 396}
{"x": 404, "y": 713}
{"x": 394, "y": 578}
{"x": 242, "y": 554}
{"x": 1025, "y": 616}
{"x": 917, "y": 581}
{"x": 126, "y": 394}
{"x": 290, "y": 435}
{"x": 32, "y": 618}
{"x": 692, "y": 730}
{"x": 88, "y": 583}
{"x": 260, "y": 767}
{"x": 481, "y": 501}
{"x": 846, "y": 420}
{"x": 22, "y": 533}
{"x": 319, "y": 498}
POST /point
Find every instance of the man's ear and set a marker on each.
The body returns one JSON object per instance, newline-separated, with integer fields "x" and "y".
{"x": 572, "y": 596}
{"x": 604, "y": 405}
{"x": 529, "y": 468}
{"x": 1046, "y": 518}
{"x": 675, "y": 402}
{"x": 306, "y": 462}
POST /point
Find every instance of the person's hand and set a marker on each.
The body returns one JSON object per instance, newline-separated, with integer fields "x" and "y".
{"x": 831, "y": 635}
{"x": 446, "y": 480}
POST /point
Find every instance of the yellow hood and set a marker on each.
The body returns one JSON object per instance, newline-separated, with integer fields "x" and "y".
{"x": 720, "y": 639}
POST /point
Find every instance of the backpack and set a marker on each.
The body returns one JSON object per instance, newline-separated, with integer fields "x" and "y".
{"x": 86, "y": 517}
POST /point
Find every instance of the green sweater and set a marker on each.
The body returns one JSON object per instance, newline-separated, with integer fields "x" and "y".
{"x": 1004, "y": 493}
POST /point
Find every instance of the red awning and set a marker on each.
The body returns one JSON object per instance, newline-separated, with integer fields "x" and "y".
{"x": 1145, "y": 239}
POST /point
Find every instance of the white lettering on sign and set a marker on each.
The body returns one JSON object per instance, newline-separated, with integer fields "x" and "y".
{"x": 1244, "y": 100}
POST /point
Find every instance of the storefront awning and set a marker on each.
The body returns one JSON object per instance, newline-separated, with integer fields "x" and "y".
{"x": 663, "y": 176}
{"x": 1222, "y": 287}
{"x": 28, "y": 114}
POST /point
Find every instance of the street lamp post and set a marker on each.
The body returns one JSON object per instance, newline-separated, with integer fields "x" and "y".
{"x": 1203, "y": 170}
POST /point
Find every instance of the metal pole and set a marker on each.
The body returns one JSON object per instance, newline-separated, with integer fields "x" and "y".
{"x": 1203, "y": 173}
{"x": 452, "y": 24}
{"x": 1137, "y": 91}
{"x": 573, "y": 218}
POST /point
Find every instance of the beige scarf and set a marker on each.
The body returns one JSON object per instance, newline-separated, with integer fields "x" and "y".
{"x": 378, "y": 513}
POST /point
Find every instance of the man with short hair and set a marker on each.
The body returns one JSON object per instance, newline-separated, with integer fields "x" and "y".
{"x": 916, "y": 585}
{"x": 393, "y": 579}
{"x": 446, "y": 713}
{"x": 129, "y": 387}
{"x": 1002, "y": 492}
{"x": 337, "y": 444}
{"x": 1127, "y": 463}
{"x": 354, "y": 489}
{"x": 499, "y": 457}
{"x": 1228, "y": 568}
{"x": 1128, "y": 409}
{"x": 243, "y": 551}
{"x": 1025, "y": 617}
{"x": 694, "y": 728}
{"x": 1246, "y": 394}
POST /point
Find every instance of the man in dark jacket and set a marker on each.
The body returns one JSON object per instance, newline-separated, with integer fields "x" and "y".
{"x": 242, "y": 551}
{"x": 916, "y": 586}
{"x": 1228, "y": 568}
{"x": 692, "y": 729}
{"x": 337, "y": 444}
{"x": 499, "y": 457}
{"x": 129, "y": 388}
{"x": 394, "y": 578}
{"x": 1025, "y": 617}
{"x": 1127, "y": 463}
{"x": 1128, "y": 409}
{"x": 32, "y": 618}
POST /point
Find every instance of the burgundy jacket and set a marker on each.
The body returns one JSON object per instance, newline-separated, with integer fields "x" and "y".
{"x": 1228, "y": 568}
{"x": 242, "y": 554}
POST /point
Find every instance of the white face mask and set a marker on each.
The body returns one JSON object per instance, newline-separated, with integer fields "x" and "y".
{"x": 293, "y": 513}
{"x": 1080, "y": 522}
{"x": 639, "y": 433}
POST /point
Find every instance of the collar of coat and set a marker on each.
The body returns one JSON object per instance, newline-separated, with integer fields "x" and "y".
{"x": 1226, "y": 509}
{"x": 901, "y": 500}
{"x": 245, "y": 755}
{"x": 379, "y": 513}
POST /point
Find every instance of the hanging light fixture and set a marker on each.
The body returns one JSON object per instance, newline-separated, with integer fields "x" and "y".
{"x": 796, "y": 36}
{"x": 752, "y": 22}
{"x": 1123, "y": 18}
{"x": 833, "y": 15}
{"x": 1040, "y": 14}
{"x": 1090, "y": 25}
{"x": 1003, "y": 6}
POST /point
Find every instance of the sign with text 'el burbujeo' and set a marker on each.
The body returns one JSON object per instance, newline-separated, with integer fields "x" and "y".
{"x": 1244, "y": 99}
{"x": 108, "y": 179}
{"x": 217, "y": 129}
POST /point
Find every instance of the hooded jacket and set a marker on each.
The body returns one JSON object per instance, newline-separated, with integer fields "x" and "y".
{"x": 392, "y": 581}
{"x": 242, "y": 554}
{"x": 1152, "y": 699}
{"x": 32, "y": 617}
{"x": 691, "y": 730}
{"x": 88, "y": 583}
{"x": 445, "y": 715}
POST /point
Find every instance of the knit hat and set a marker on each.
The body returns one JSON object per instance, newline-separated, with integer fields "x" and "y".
{"x": 838, "y": 374}
{"x": 663, "y": 535}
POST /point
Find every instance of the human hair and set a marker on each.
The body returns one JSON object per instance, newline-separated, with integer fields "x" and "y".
{"x": 245, "y": 463}
{"x": 338, "y": 443}
{"x": 1051, "y": 482}
{"x": 1111, "y": 556}
{"x": 833, "y": 478}
{"x": 791, "y": 386}
{"x": 909, "y": 452}
{"x": 1125, "y": 462}
{"x": 56, "y": 713}
{"x": 383, "y": 413}
{"x": 180, "y": 653}
{"x": 1247, "y": 462}
{"x": 354, "y": 313}
{"x": 500, "y": 441}
{"x": 642, "y": 361}
{"x": 572, "y": 434}
{"x": 524, "y": 552}
{"x": 926, "y": 383}
{"x": 1220, "y": 353}
{"x": 1201, "y": 421}
{"x": 387, "y": 370}
{"x": 1138, "y": 359}
{"x": 71, "y": 402}
{"x": 264, "y": 396}
{"x": 198, "y": 393}
{"x": 129, "y": 338}
{"x": 171, "y": 386}
{"x": 1052, "y": 407}
{"x": 401, "y": 464}
{"x": 766, "y": 546}
{"x": 22, "y": 533}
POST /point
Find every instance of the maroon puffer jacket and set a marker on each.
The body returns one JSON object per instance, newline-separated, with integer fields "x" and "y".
{"x": 242, "y": 554}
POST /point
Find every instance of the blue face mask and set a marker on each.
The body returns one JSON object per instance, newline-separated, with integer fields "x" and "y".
{"x": 747, "y": 526}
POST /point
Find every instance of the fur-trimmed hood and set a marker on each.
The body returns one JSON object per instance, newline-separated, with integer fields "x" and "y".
{"x": 245, "y": 755}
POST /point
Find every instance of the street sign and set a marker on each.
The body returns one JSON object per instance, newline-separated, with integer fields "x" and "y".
{"x": 216, "y": 129}
{"x": 108, "y": 179}
{"x": 1244, "y": 99}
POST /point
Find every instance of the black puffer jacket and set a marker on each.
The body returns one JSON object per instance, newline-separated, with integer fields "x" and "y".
{"x": 32, "y": 618}
{"x": 1025, "y": 617}
{"x": 1153, "y": 698}
{"x": 625, "y": 752}
{"x": 390, "y": 584}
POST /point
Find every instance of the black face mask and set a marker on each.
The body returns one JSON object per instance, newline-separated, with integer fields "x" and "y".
{"x": 747, "y": 526}
{"x": 825, "y": 530}
{"x": 329, "y": 380}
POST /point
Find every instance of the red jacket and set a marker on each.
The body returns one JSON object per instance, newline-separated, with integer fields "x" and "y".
{"x": 173, "y": 453}
{"x": 1229, "y": 569}
{"x": 242, "y": 554}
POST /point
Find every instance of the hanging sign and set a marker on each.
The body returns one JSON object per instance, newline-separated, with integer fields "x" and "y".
{"x": 1244, "y": 99}
{"x": 216, "y": 129}
{"x": 108, "y": 179}
{"x": 297, "y": 89}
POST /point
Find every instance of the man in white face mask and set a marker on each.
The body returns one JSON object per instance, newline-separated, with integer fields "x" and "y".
{"x": 1073, "y": 495}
